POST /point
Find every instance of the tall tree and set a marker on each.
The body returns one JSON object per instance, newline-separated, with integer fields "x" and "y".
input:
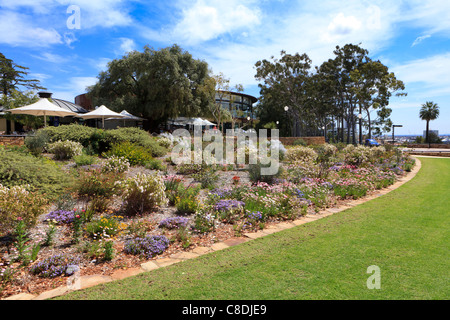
{"x": 429, "y": 112}
{"x": 13, "y": 77}
{"x": 373, "y": 87}
{"x": 156, "y": 85}
{"x": 284, "y": 81}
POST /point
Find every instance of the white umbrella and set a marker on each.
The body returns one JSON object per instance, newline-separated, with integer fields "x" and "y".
{"x": 102, "y": 112}
{"x": 127, "y": 116}
{"x": 43, "y": 108}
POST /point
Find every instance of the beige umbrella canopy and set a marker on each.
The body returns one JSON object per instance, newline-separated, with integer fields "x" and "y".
{"x": 45, "y": 108}
{"x": 102, "y": 112}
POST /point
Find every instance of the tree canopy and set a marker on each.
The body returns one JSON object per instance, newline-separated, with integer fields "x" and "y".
{"x": 329, "y": 97}
{"x": 156, "y": 85}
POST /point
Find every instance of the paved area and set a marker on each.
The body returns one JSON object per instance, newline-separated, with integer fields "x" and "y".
{"x": 92, "y": 280}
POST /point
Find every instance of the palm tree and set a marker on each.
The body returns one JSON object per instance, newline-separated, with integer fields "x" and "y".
{"x": 429, "y": 112}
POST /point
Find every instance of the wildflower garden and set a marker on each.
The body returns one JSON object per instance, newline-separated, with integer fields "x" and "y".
{"x": 79, "y": 198}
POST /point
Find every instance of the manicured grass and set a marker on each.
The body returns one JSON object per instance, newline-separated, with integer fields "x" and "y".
{"x": 405, "y": 233}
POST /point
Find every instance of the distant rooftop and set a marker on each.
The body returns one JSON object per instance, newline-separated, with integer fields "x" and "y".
{"x": 63, "y": 103}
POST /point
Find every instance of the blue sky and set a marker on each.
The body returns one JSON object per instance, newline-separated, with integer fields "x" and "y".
{"x": 66, "y": 53}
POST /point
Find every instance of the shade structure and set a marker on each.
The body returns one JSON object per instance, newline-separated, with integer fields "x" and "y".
{"x": 127, "y": 116}
{"x": 103, "y": 113}
{"x": 45, "y": 108}
{"x": 193, "y": 121}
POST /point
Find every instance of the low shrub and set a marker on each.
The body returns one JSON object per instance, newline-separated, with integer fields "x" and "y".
{"x": 18, "y": 203}
{"x": 203, "y": 221}
{"x": 66, "y": 149}
{"x": 105, "y": 227}
{"x": 147, "y": 247}
{"x": 135, "y": 154}
{"x": 38, "y": 174}
{"x": 300, "y": 154}
{"x": 61, "y": 216}
{"x": 174, "y": 223}
{"x": 186, "y": 202}
{"x": 142, "y": 192}
{"x": 84, "y": 160}
{"x": 94, "y": 183}
{"x": 356, "y": 155}
{"x": 116, "y": 164}
{"x": 229, "y": 211}
{"x": 36, "y": 144}
{"x": 55, "y": 266}
{"x": 256, "y": 173}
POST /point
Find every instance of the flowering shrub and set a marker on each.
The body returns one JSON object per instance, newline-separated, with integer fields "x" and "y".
{"x": 356, "y": 155}
{"x": 164, "y": 142}
{"x": 148, "y": 246}
{"x": 54, "y": 266}
{"x": 326, "y": 152}
{"x": 105, "y": 227}
{"x": 17, "y": 202}
{"x": 143, "y": 192}
{"x": 229, "y": 211}
{"x": 172, "y": 183}
{"x": 204, "y": 221}
{"x": 61, "y": 216}
{"x": 65, "y": 149}
{"x": 174, "y": 223}
{"x": 116, "y": 164}
{"x": 300, "y": 154}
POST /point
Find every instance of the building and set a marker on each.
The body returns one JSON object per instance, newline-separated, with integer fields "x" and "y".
{"x": 240, "y": 105}
{"x": 8, "y": 127}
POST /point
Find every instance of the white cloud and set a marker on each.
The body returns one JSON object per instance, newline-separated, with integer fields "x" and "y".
{"x": 19, "y": 30}
{"x": 127, "y": 45}
{"x": 429, "y": 74}
{"x": 207, "y": 20}
{"x": 342, "y": 25}
{"x": 51, "y": 57}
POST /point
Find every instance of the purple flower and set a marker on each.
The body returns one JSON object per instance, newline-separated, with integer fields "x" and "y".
{"x": 148, "y": 246}
{"x": 225, "y": 205}
{"x": 61, "y": 216}
{"x": 174, "y": 223}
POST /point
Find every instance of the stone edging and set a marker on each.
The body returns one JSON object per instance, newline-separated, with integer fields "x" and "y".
{"x": 92, "y": 280}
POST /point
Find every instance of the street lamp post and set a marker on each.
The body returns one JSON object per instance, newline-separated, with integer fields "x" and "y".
{"x": 393, "y": 131}
{"x": 360, "y": 127}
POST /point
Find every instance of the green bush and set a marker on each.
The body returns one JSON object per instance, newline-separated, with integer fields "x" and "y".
{"x": 37, "y": 143}
{"x": 42, "y": 175}
{"x": 66, "y": 149}
{"x": 84, "y": 160}
{"x": 94, "y": 183}
{"x": 135, "y": 154}
{"x": 16, "y": 203}
{"x": 97, "y": 141}
{"x": 255, "y": 173}
{"x": 138, "y": 137}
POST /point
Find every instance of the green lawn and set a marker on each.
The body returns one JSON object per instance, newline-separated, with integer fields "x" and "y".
{"x": 405, "y": 233}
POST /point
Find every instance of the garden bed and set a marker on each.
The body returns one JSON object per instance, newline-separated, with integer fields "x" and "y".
{"x": 204, "y": 205}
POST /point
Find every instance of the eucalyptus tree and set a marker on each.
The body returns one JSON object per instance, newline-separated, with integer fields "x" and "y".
{"x": 373, "y": 88}
{"x": 284, "y": 83}
{"x": 156, "y": 85}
